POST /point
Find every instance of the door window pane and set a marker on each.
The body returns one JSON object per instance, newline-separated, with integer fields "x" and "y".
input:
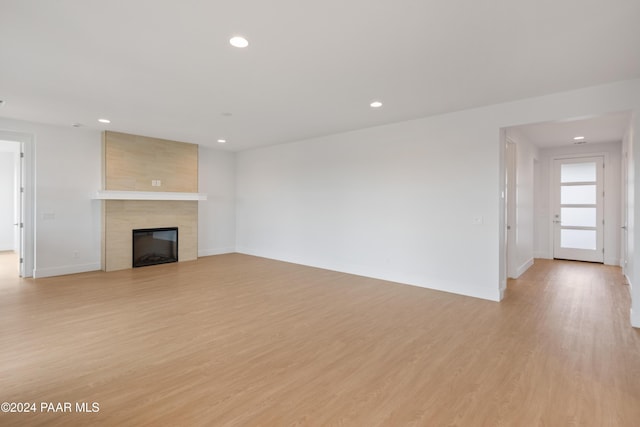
{"x": 578, "y": 172}
{"x": 578, "y": 195}
{"x": 578, "y": 217}
{"x": 578, "y": 239}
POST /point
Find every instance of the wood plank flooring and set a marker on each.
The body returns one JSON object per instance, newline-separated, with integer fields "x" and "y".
{"x": 234, "y": 340}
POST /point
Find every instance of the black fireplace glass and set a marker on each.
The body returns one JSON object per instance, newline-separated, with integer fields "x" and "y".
{"x": 153, "y": 246}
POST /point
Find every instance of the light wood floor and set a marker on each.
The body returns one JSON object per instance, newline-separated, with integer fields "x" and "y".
{"x": 9, "y": 270}
{"x": 237, "y": 340}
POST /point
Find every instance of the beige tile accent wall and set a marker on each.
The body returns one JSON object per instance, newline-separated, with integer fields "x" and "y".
{"x": 130, "y": 164}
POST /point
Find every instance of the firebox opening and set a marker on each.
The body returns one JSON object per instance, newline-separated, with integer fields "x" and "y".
{"x": 153, "y": 246}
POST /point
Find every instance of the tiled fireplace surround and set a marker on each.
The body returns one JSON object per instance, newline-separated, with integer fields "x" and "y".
{"x": 131, "y": 166}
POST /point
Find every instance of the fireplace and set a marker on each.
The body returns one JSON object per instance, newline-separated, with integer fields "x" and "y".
{"x": 153, "y": 246}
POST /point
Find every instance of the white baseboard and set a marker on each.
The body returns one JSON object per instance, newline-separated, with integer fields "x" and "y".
{"x": 524, "y": 267}
{"x": 612, "y": 261}
{"x": 67, "y": 269}
{"x": 217, "y": 251}
{"x": 503, "y": 288}
{"x": 542, "y": 255}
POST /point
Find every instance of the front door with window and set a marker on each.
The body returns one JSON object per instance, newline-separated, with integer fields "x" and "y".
{"x": 578, "y": 209}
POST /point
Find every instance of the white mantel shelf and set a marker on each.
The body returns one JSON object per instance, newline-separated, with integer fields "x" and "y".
{"x": 147, "y": 195}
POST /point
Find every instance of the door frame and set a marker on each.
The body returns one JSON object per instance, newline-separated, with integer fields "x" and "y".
{"x": 553, "y": 191}
{"x": 27, "y": 211}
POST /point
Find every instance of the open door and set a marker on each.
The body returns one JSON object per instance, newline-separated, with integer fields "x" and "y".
{"x": 20, "y": 178}
{"x": 510, "y": 204}
{"x": 11, "y": 204}
{"x": 624, "y": 236}
{"x": 22, "y": 219}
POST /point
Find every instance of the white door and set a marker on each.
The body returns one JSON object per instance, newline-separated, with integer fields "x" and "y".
{"x": 510, "y": 204}
{"x": 20, "y": 211}
{"x": 625, "y": 214}
{"x": 21, "y": 145}
{"x": 578, "y": 209}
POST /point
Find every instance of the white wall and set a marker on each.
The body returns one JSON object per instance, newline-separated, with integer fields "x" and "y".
{"x": 7, "y": 196}
{"x": 612, "y": 204}
{"x": 216, "y": 215}
{"x": 524, "y": 227}
{"x": 378, "y": 202}
{"x": 633, "y": 268}
{"x": 67, "y": 221}
{"x": 397, "y": 202}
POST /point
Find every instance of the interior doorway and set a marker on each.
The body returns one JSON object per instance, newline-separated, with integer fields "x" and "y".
{"x": 11, "y": 207}
{"x": 22, "y": 221}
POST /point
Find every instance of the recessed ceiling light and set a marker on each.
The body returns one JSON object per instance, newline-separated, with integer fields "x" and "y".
{"x": 375, "y": 104}
{"x": 104, "y": 120}
{"x": 578, "y": 138}
{"x": 238, "y": 41}
{"x": 222, "y": 141}
{"x": 76, "y": 125}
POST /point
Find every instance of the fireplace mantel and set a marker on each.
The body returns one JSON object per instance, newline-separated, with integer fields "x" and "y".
{"x": 147, "y": 195}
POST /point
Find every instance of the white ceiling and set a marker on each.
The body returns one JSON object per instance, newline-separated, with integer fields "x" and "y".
{"x": 601, "y": 129}
{"x": 165, "y": 68}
